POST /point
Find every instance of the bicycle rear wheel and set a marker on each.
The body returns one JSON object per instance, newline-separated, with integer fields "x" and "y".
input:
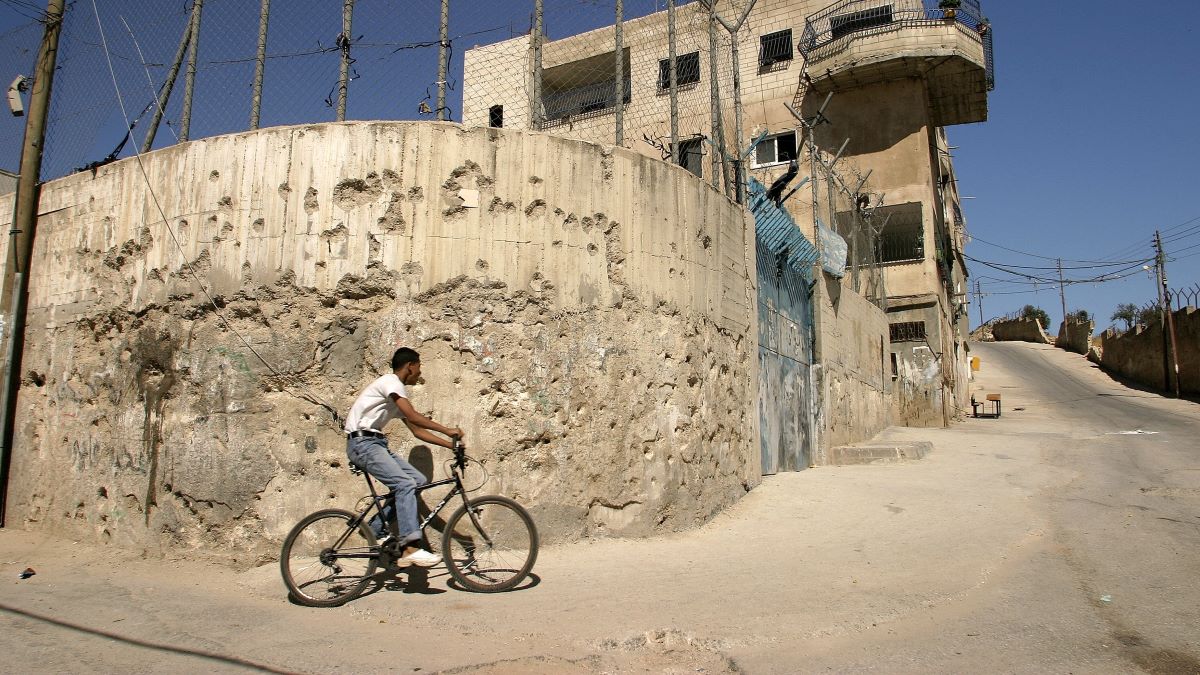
{"x": 325, "y": 562}
{"x": 490, "y": 544}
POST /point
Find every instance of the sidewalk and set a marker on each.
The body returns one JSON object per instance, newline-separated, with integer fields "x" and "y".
{"x": 809, "y": 570}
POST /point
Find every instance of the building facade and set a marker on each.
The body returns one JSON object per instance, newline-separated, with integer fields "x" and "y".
{"x": 870, "y": 86}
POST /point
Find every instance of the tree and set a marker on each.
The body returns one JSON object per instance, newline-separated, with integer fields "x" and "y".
{"x": 1148, "y": 316}
{"x": 1079, "y": 316}
{"x": 1031, "y": 312}
{"x": 1127, "y": 312}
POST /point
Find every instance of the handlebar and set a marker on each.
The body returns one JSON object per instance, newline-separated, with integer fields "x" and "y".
{"x": 460, "y": 456}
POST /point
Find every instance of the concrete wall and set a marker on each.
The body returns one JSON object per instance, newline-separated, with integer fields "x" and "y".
{"x": 585, "y": 314}
{"x": 1138, "y": 354}
{"x": 1075, "y": 336}
{"x": 8, "y": 182}
{"x": 1021, "y": 330}
{"x": 853, "y": 380}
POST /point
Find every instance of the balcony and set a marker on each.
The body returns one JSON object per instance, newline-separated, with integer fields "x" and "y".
{"x": 859, "y": 42}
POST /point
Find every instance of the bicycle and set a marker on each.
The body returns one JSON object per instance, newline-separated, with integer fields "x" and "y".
{"x": 489, "y": 544}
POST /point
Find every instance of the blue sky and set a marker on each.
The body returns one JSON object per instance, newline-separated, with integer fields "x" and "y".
{"x": 1089, "y": 147}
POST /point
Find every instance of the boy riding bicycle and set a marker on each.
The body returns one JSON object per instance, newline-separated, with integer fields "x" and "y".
{"x": 366, "y": 446}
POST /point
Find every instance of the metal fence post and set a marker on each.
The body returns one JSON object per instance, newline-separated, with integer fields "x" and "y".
{"x": 443, "y": 54}
{"x": 189, "y": 80}
{"x": 344, "y": 43}
{"x": 260, "y": 61}
{"x": 718, "y": 144}
{"x": 535, "y": 89}
{"x": 619, "y": 49}
{"x": 673, "y": 82}
{"x": 168, "y": 86}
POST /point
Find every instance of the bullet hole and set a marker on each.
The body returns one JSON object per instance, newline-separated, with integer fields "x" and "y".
{"x": 214, "y": 176}
{"x": 481, "y": 264}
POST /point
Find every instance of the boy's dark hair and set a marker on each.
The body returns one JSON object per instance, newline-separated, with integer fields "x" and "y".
{"x": 404, "y": 355}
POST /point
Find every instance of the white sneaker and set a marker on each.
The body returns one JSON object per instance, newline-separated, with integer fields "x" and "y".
{"x": 421, "y": 558}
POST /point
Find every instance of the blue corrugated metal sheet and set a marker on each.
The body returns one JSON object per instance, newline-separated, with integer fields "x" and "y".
{"x": 775, "y": 228}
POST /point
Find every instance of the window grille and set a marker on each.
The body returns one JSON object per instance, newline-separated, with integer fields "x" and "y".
{"x": 687, "y": 71}
{"x": 496, "y": 116}
{"x": 775, "y": 47}
{"x": 907, "y": 331}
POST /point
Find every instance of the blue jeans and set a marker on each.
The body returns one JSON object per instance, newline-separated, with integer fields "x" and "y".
{"x": 372, "y": 455}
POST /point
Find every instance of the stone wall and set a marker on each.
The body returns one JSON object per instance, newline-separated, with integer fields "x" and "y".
{"x": 1020, "y": 330}
{"x": 1138, "y": 354}
{"x": 585, "y": 314}
{"x": 1075, "y": 335}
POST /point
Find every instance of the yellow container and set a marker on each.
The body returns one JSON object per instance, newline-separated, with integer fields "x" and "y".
{"x": 975, "y": 363}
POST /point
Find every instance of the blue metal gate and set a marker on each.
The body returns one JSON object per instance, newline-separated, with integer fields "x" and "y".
{"x": 786, "y": 405}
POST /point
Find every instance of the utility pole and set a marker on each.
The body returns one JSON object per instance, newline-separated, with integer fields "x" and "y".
{"x": 1161, "y": 263}
{"x": 260, "y": 64}
{"x": 1062, "y": 296}
{"x": 20, "y": 245}
{"x": 979, "y": 299}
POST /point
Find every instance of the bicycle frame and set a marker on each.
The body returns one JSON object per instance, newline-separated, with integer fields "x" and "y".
{"x": 379, "y": 502}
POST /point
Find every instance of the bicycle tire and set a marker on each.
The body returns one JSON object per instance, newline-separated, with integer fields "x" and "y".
{"x": 495, "y": 550}
{"x": 324, "y": 562}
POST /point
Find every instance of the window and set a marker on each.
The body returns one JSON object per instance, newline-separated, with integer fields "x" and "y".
{"x": 687, "y": 70}
{"x": 903, "y": 236}
{"x": 852, "y": 22}
{"x": 691, "y": 155}
{"x": 775, "y": 149}
{"x": 584, "y": 87}
{"x": 496, "y": 116}
{"x": 774, "y": 48}
{"x": 907, "y": 331}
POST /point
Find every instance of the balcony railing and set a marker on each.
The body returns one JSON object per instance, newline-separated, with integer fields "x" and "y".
{"x": 581, "y": 101}
{"x": 849, "y": 19}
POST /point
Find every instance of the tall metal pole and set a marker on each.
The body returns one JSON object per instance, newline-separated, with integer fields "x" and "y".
{"x": 1170, "y": 318}
{"x": 737, "y": 90}
{"x": 673, "y": 81}
{"x": 344, "y": 74}
{"x": 714, "y": 98}
{"x": 168, "y": 86}
{"x": 260, "y": 62}
{"x": 189, "y": 79}
{"x": 619, "y": 77}
{"x": 443, "y": 57}
{"x": 21, "y": 233}
{"x": 535, "y": 90}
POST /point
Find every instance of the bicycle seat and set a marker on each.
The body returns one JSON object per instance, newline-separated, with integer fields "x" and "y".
{"x": 356, "y": 469}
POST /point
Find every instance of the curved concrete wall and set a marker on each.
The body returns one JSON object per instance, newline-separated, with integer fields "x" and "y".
{"x": 1020, "y": 330}
{"x": 583, "y": 313}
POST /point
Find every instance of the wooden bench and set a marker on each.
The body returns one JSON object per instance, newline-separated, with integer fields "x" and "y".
{"x": 990, "y": 406}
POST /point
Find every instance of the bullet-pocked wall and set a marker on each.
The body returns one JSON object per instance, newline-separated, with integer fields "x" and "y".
{"x": 584, "y": 313}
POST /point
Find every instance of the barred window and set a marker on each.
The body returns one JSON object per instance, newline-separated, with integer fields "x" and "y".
{"x": 687, "y": 70}
{"x": 775, "y": 47}
{"x": 907, "y": 331}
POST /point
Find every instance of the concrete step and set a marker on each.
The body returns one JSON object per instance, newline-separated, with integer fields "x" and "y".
{"x": 879, "y": 453}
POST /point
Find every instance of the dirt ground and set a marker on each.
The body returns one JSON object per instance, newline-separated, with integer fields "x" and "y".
{"x": 947, "y": 564}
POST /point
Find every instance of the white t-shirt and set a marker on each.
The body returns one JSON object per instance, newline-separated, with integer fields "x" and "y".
{"x": 374, "y": 407}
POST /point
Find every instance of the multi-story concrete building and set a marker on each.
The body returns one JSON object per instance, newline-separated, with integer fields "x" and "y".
{"x": 899, "y": 72}
{"x": 8, "y": 182}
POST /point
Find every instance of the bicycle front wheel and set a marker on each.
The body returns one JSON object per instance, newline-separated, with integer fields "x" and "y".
{"x": 490, "y": 544}
{"x": 326, "y": 562}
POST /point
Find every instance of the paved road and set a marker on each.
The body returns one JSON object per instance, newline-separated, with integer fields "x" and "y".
{"x": 1052, "y": 539}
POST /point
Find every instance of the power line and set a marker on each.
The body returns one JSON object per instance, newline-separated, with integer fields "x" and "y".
{"x": 1043, "y": 257}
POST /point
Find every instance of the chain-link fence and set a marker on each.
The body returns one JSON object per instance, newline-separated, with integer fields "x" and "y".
{"x": 649, "y": 75}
